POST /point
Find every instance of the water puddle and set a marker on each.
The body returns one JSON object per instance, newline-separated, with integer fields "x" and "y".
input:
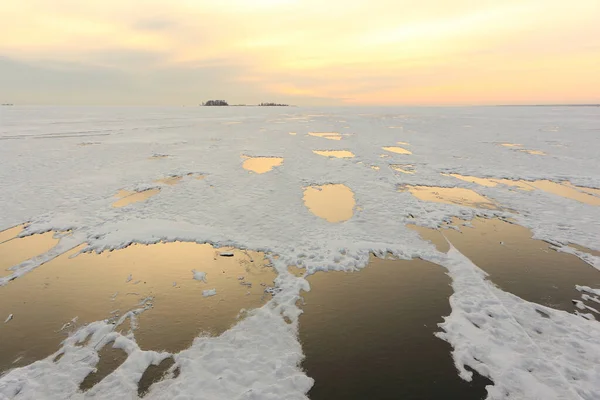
{"x": 11, "y": 233}
{"x": 334, "y": 153}
{"x": 534, "y": 152}
{"x": 397, "y": 150}
{"x": 153, "y": 374}
{"x": 521, "y": 265}
{"x": 110, "y": 359}
{"x": 94, "y": 287}
{"x": 403, "y": 143}
{"x": 492, "y": 182}
{"x": 333, "y": 202}
{"x": 511, "y": 144}
{"x": 170, "y": 180}
{"x": 404, "y": 168}
{"x": 592, "y": 191}
{"x": 127, "y": 197}
{"x": 563, "y": 189}
{"x": 260, "y": 165}
{"x": 452, "y": 195}
{"x": 327, "y": 135}
{"x": 293, "y": 133}
{"x": 432, "y": 235}
{"x": 566, "y": 191}
{"x": 370, "y": 334}
{"x": 14, "y": 251}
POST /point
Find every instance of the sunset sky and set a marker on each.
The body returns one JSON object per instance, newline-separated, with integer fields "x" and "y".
{"x": 305, "y": 52}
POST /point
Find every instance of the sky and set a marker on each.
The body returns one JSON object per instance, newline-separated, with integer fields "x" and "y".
{"x": 303, "y": 52}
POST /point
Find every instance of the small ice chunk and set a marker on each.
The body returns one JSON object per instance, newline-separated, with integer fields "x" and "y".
{"x": 199, "y": 275}
{"x": 129, "y": 278}
{"x": 136, "y": 282}
{"x": 226, "y": 254}
{"x": 210, "y": 292}
{"x": 174, "y": 284}
{"x": 10, "y": 316}
{"x": 69, "y": 324}
{"x": 587, "y": 289}
{"x": 579, "y": 304}
{"x": 114, "y": 296}
{"x": 241, "y": 278}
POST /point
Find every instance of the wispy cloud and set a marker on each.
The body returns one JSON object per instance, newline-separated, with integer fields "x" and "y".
{"x": 307, "y": 52}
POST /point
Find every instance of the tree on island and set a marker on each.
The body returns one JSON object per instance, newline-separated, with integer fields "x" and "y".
{"x": 215, "y": 103}
{"x": 272, "y": 105}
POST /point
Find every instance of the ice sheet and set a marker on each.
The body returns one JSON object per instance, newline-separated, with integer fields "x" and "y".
{"x": 48, "y": 180}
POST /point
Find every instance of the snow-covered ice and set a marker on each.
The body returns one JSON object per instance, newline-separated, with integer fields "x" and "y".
{"x": 50, "y": 182}
{"x": 198, "y": 275}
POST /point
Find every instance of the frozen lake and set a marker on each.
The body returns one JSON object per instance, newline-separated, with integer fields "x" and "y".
{"x": 291, "y": 192}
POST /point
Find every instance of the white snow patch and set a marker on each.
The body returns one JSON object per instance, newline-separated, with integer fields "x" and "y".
{"x": 493, "y": 332}
{"x": 504, "y": 338}
{"x": 199, "y": 276}
{"x": 209, "y": 292}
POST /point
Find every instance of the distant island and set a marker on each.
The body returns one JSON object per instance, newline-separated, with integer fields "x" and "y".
{"x": 222, "y": 103}
{"x": 215, "y": 103}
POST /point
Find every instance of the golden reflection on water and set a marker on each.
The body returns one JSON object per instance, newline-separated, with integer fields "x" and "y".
{"x": 592, "y": 191}
{"x": 334, "y": 153}
{"x": 333, "y": 202}
{"x": 13, "y": 250}
{"x": 452, "y": 195}
{"x": 404, "y": 168}
{"x": 564, "y": 189}
{"x": 260, "y": 165}
{"x": 11, "y": 233}
{"x": 327, "y": 135}
{"x": 397, "y": 150}
{"x": 511, "y": 144}
{"x": 91, "y": 286}
{"x": 432, "y": 235}
{"x": 534, "y": 152}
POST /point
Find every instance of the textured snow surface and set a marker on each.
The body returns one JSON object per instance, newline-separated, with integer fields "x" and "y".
{"x": 52, "y": 182}
{"x": 528, "y": 350}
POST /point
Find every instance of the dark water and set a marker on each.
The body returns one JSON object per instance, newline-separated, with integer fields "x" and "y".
{"x": 370, "y": 335}
{"x": 523, "y": 266}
